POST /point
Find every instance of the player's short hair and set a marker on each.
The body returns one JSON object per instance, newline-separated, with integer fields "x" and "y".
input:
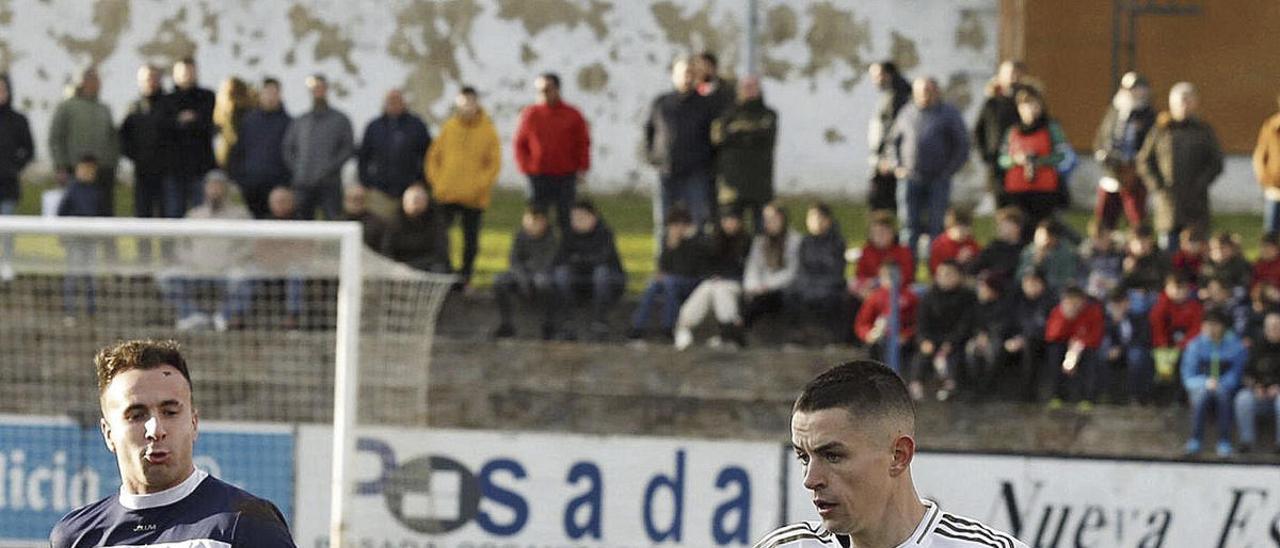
{"x": 861, "y": 387}
{"x": 137, "y": 354}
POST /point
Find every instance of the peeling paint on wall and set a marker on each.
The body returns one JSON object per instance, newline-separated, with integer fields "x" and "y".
{"x": 613, "y": 54}
{"x": 593, "y": 78}
{"x": 836, "y": 35}
{"x": 697, "y": 31}
{"x": 780, "y": 25}
{"x": 331, "y": 41}
{"x": 527, "y": 55}
{"x": 110, "y": 19}
{"x": 903, "y": 52}
{"x": 437, "y": 64}
{"x": 970, "y": 33}
{"x": 958, "y": 91}
{"x": 539, "y": 15}
{"x": 170, "y": 42}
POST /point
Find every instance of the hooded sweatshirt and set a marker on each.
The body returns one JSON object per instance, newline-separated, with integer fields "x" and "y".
{"x": 463, "y": 162}
{"x": 584, "y": 251}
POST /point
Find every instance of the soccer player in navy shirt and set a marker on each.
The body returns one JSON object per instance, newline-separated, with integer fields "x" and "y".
{"x": 150, "y": 423}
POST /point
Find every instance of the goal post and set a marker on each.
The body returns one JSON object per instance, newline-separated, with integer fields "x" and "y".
{"x": 257, "y": 306}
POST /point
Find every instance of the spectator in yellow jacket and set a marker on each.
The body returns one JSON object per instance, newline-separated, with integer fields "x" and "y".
{"x": 462, "y": 166}
{"x": 1266, "y": 165}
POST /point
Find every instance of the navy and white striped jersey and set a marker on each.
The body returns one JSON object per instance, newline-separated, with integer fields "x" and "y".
{"x": 200, "y": 512}
{"x": 938, "y": 529}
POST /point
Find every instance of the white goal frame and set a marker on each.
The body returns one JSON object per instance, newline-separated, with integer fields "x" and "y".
{"x": 350, "y": 292}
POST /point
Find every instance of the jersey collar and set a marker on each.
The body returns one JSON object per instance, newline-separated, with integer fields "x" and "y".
{"x": 930, "y": 519}
{"x": 163, "y": 498}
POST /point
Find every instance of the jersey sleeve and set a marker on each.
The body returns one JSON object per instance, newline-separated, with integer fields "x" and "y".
{"x": 261, "y": 526}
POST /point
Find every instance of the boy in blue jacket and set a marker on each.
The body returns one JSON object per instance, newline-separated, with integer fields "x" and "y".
{"x": 1212, "y": 368}
{"x": 83, "y": 197}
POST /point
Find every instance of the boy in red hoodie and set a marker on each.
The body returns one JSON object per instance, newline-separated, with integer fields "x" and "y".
{"x": 1175, "y": 319}
{"x": 873, "y": 317}
{"x": 882, "y": 247}
{"x": 1267, "y": 269}
{"x": 956, "y": 244}
{"x": 1189, "y": 258}
{"x": 1074, "y": 335}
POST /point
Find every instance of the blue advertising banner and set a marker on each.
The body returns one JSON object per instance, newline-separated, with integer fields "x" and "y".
{"x": 49, "y": 467}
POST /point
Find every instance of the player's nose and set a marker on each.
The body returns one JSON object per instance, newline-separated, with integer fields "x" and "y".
{"x": 813, "y": 478}
{"x": 154, "y": 430}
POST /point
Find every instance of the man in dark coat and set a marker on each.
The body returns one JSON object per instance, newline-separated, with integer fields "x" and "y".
{"x": 678, "y": 143}
{"x": 393, "y": 149}
{"x": 745, "y": 136}
{"x": 142, "y": 141}
{"x": 16, "y": 151}
{"x": 999, "y": 112}
{"x": 256, "y": 161}
{"x": 189, "y": 134}
{"x": 1180, "y": 159}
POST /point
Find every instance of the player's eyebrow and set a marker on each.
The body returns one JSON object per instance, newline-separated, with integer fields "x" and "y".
{"x": 821, "y": 448}
{"x": 828, "y": 447}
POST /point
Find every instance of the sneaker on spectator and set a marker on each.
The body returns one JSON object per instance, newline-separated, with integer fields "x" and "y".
{"x": 504, "y": 331}
{"x": 599, "y": 331}
{"x": 683, "y": 337}
{"x": 635, "y": 334}
{"x": 7, "y": 273}
{"x": 715, "y": 342}
{"x": 219, "y": 323}
{"x": 916, "y": 388}
{"x": 191, "y": 322}
{"x": 1192, "y": 448}
{"x": 1224, "y": 449}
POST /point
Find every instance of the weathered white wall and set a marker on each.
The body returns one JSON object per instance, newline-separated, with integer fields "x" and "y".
{"x": 612, "y": 55}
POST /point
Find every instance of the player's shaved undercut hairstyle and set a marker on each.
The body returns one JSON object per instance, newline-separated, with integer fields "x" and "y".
{"x": 137, "y": 354}
{"x": 865, "y": 388}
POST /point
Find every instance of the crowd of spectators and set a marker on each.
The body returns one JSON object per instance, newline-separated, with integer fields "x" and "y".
{"x": 1161, "y": 310}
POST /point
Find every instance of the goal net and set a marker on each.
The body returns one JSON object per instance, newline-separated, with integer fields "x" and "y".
{"x": 284, "y": 325}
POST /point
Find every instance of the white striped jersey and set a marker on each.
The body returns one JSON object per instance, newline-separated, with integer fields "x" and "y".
{"x": 938, "y": 529}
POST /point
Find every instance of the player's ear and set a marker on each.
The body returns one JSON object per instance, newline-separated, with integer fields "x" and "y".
{"x": 195, "y": 424}
{"x": 106, "y": 434}
{"x": 904, "y": 451}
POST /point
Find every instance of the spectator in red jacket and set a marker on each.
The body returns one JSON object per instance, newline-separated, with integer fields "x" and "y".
{"x": 1074, "y": 335}
{"x": 956, "y": 243}
{"x": 1189, "y": 258}
{"x": 1175, "y": 319}
{"x": 1267, "y": 269}
{"x": 882, "y": 247}
{"x": 874, "y": 316}
{"x": 553, "y": 147}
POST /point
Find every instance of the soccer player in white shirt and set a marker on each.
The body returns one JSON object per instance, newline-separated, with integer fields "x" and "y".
{"x": 853, "y": 429}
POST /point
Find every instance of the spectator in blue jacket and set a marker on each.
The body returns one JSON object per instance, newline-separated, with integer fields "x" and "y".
{"x": 928, "y": 145}
{"x": 83, "y": 197}
{"x": 393, "y": 148}
{"x": 1212, "y": 368}
{"x": 256, "y": 161}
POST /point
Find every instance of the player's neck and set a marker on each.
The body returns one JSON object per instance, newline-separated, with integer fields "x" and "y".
{"x": 136, "y": 489}
{"x": 901, "y": 517}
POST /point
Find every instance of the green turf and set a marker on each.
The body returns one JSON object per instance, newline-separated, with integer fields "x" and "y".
{"x": 630, "y": 215}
